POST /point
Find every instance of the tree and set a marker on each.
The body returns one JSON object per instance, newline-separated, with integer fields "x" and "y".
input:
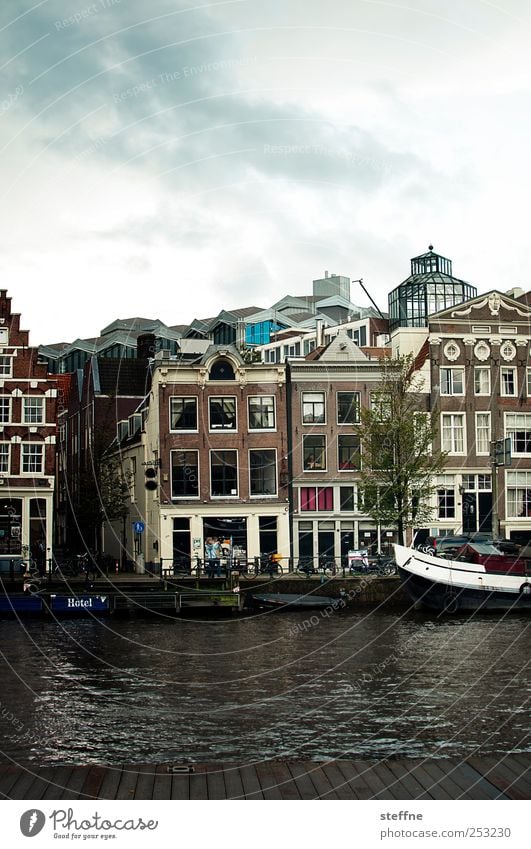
{"x": 397, "y": 438}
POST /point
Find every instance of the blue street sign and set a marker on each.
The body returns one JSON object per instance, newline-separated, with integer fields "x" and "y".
{"x": 139, "y": 527}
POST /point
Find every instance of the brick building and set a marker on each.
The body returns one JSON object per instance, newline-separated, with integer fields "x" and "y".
{"x": 28, "y": 399}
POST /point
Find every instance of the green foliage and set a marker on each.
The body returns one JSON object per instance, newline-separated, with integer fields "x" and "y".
{"x": 397, "y": 437}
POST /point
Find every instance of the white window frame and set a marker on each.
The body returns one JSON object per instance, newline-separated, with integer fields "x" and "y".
{"x": 170, "y": 414}
{"x": 452, "y": 371}
{"x": 486, "y": 370}
{"x": 452, "y": 449}
{"x": 517, "y": 480}
{"x": 510, "y": 430}
{"x": 223, "y": 429}
{"x": 503, "y": 393}
{"x": 25, "y": 446}
{"x": 528, "y": 381}
{"x": 217, "y": 451}
{"x": 315, "y": 469}
{"x": 271, "y": 429}
{"x": 275, "y": 466}
{"x": 5, "y": 453}
{"x": 26, "y": 402}
{"x": 3, "y": 399}
{"x": 185, "y": 497}
{"x": 485, "y": 452}
{"x": 303, "y": 402}
{"x": 357, "y": 418}
{"x": 6, "y": 365}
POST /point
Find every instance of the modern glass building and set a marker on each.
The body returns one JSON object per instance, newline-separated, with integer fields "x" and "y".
{"x": 430, "y": 288}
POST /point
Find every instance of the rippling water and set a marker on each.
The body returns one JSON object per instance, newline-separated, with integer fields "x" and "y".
{"x": 286, "y": 685}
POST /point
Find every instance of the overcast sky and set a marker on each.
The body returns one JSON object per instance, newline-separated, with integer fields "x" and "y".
{"x": 169, "y": 159}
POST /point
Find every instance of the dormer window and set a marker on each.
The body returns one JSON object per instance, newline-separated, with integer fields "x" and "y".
{"x": 222, "y": 370}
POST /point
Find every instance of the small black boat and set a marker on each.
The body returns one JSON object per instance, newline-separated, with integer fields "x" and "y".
{"x": 282, "y": 601}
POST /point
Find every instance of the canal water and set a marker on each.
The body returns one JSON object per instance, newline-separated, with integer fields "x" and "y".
{"x": 291, "y": 685}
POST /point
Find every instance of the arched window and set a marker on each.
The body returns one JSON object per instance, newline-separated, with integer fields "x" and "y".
{"x": 222, "y": 370}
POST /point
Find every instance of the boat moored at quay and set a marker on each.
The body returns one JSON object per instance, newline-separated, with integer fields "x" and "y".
{"x": 478, "y": 577}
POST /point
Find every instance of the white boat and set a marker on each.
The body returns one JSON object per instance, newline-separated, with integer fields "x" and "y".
{"x": 480, "y": 577}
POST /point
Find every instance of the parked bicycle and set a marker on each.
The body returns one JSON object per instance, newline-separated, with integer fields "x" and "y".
{"x": 325, "y": 566}
{"x": 73, "y": 567}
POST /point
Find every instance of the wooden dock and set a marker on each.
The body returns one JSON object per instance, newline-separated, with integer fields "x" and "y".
{"x": 506, "y": 777}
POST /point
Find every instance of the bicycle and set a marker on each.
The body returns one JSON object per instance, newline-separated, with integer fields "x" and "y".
{"x": 266, "y": 566}
{"x": 72, "y": 568}
{"x": 326, "y": 566}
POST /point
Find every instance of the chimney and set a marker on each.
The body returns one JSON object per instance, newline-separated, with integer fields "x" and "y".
{"x": 319, "y": 333}
{"x": 326, "y": 275}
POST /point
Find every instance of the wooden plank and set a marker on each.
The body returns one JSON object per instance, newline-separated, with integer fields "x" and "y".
{"x": 198, "y": 784}
{"x": 521, "y": 758}
{"x": 305, "y": 785}
{"x": 251, "y": 784}
{"x": 318, "y": 777}
{"x": 111, "y": 782}
{"x": 417, "y": 786}
{"x": 162, "y": 783}
{"x": 287, "y": 786}
{"x": 93, "y": 782}
{"x": 391, "y": 790}
{"x": 358, "y": 786}
{"x": 376, "y": 780}
{"x": 127, "y": 786}
{"x": 24, "y": 781}
{"x": 56, "y": 788}
{"x": 501, "y": 776}
{"x": 268, "y": 781}
{"x": 145, "y": 782}
{"x": 338, "y": 781}
{"x": 215, "y": 780}
{"x": 477, "y": 787}
{"x": 180, "y": 786}
{"x": 9, "y": 773}
{"x": 519, "y": 769}
{"x": 233, "y": 782}
{"x": 42, "y": 782}
{"x": 75, "y": 782}
{"x": 434, "y": 778}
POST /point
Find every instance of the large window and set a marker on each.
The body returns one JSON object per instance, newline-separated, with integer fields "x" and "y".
{"x": 183, "y": 413}
{"x": 313, "y": 407}
{"x": 184, "y": 474}
{"x": 317, "y": 498}
{"x": 446, "y": 497}
{"x": 519, "y": 494}
{"x": 381, "y": 406}
{"x": 453, "y": 433}
{"x": 348, "y": 452}
{"x": 222, "y": 413}
{"x": 348, "y": 407}
{"x": 482, "y": 380}
{"x": 32, "y": 458}
{"x": 518, "y": 428}
{"x": 262, "y": 412}
{"x": 482, "y": 433}
{"x": 314, "y": 453}
{"x": 224, "y": 473}
{"x": 452, "y": 381}
{"x": 33, "y": 410}
{"x": 347, "y": 499}
{"x": 5, "y": 410}
{"x": 508, "y": 381}
{"x": 4, "y": 457}
{"x": 263, "y": 472}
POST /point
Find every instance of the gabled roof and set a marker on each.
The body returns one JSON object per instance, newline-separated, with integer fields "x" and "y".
{"x": 491, "y": 302}
{"x": 340, "y": 349}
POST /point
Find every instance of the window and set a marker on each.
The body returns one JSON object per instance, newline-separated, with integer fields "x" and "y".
{"x": 519, "y": 494}
{"x": 381, "y": 406}
{"x": 446, "y": 497}
{"x": 183, "y": 413}
{"x": 347, "y": 499}
{"x": 5, "y": 410}
{"x": 262, "y": 412}
{"x": 453, "y": 433}
{"x": 33, "y": 410}
{"x": 313, "y": 453}
{"x": 452, "y": 381}
{"x": 224, "y": 473}
{"x": 508, "y": 381}
{"x": 484, "y": 482}
{"x": 4, "y": 458}
{"x": 481, "y": 380}
{"x": 348, "y": 407}
{"x": 313, "y": 407}
{"x": 482, "y": 433}
{"x": 184, "y": 474}
{"x": 317, "y": 498}
{"x": 263, "y": 472}
{"x": 222, "y": 413}
{"x": 348, "y": 452}
{"x": 6, "y": 366}
{"x": 32, "y": 458}
{"x": 528, "y": 373}
{"x": 518, "y": 428}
